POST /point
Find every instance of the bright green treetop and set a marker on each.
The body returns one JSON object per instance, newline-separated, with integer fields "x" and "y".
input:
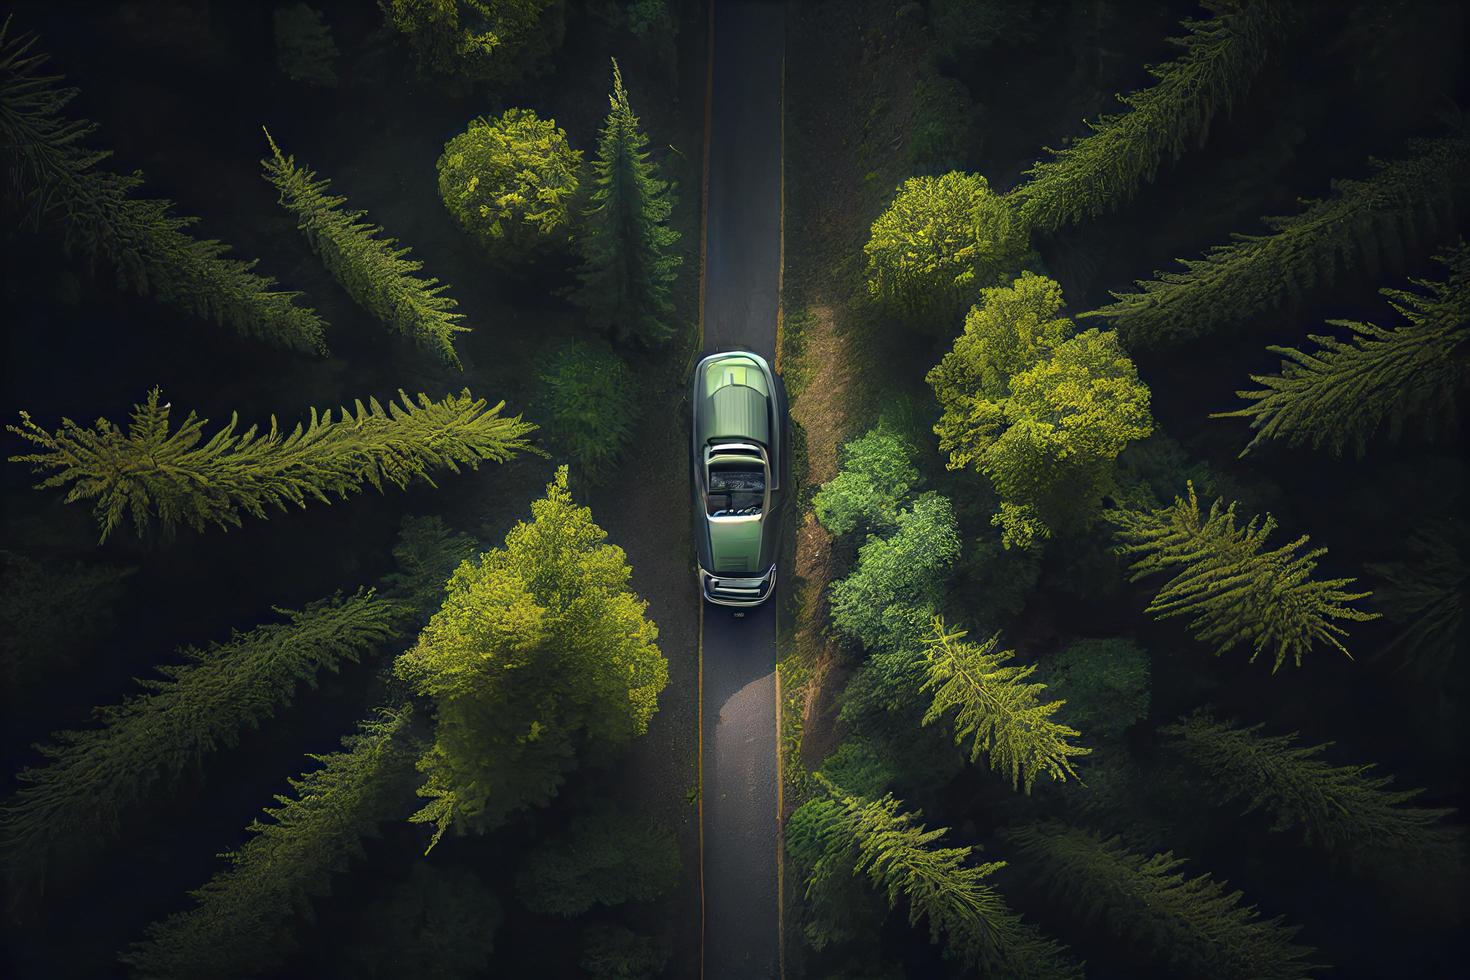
{"x": 1195, "y": 924}
{"x": 179, "y": 478}
{"x": 1099, "y": 172}
{"x": 940, "y": 240}
{"x": 241, "y": 924}
{"x": 375, "y": 271}
{"x": 606, "y": 857}
{"x": 539, "y": 650}
{"x": 627, "y": 245}
{"x": 55, "y": 175}
{"x": 1040, "y": 412}
{"x": 998, "y": 709}
{"x": 478, "y": 40}
{"x": 510, "y": 182}
{"x": 1236, "y": 592}
{"x": 1364, "y": 222}
{"x": 1347, "y": 389}
{"x": 877, "y": 474}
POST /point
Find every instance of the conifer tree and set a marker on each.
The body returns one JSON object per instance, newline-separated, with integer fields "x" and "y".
{"x": 540, "y": 648}
{"x": 1345, "y": 810}
{"x": 629, "y": 265}
{"x": 1196, "y": 924}
{"x": 997, "y": 708}
{"x": 1364, "y": 222}
{"x": 1236, "y": 592}
{"x": 1424, "y": 594}
{"x": 179, "y": 478}
{"x": 590, "y": 402}
{"x": 900, "y": 858}
{"x": 374, "y": 270}
{"x": 606, "y": 857}
{"x": 1348, "y": 388}
{"x": 95, "y": 775}
{"x": 241, "y": 923}
{"x": 426, "y": 552}
{"x": 52, "y": 174}
{"x": 1103, "y": 170}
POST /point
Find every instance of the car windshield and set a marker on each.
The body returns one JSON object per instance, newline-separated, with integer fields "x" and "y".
{"x": 735, "y": 489}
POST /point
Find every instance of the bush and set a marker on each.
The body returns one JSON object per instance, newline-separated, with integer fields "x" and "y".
{"x": 478, "y": 40}
{"x": 943, "y": 129}
{"x": 615, "y": 953}
{"x": 1105, "y": 684}
{"x": 511, "y": 182}
{"x": 877, "y": 474}
{"x": 605, "y": 858}
{"x": 589, "y": 404}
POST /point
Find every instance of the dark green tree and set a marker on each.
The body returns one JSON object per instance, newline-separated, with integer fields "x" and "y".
{"x": 1104, "y": 684}
{"x": 997, "y": 708}
{"x": 427, "y": 552}
{"x": 1103, "y": 170}
{"x": 629, "y": 265}
{"x": 93, "y": 776}
{"x": 1365, "y": 221}
{"x": 53, "y": 175}
{"x": 1343, "y": 392}
{"x": 876, "y": 476}
{"x": 590, "y": 402}
{"x": 179, "y": 478}
{"x": 479, "y": 40}
{"x": 1195, "y": 924}
{"x": 375, "y": 271}
{"x": 305, "y": 51}
{"x": 1236, "y": 592}
{"x": 1345, "y": 810}
{"x": 540, "y": 649}
{"x": 439, "y": 923}
{"x": 1424, "y": 594}
{"x": 241, "y": 923}
{"x": 616, "y": 953}
{"x": 606, "y": 857}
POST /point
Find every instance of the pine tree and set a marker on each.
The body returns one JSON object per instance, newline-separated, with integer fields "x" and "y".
{"x": 241, "y": 924}
{"x": 900, "y": 858}
{"x": 1196, "y": 924}
{"x": 606, "y": 857}
{"x": 1345, "y": 810}
{"x": 374, "y": 270}
{"x": 1365, "y": 221}
{"x": 1100, "y": 172}
{"x": 540, "y": 648}
{"x": 1236, "y": 592}
{"x": 998, "y": 709}
{"x": 181, "y": 479}
{"x": 1348, "y": 388}
{"x": 94, "y": 776}
{"x": 52, "y": 173}
{"x": 629, "y": 265}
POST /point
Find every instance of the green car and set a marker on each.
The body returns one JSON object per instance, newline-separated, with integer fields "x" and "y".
{"x": 738, "y": 450}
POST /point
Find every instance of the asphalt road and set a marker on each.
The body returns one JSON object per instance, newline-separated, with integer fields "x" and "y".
{"x": 741, "y": 829}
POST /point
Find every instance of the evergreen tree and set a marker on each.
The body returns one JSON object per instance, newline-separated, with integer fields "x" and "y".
{"x": 374, "y": 270}
{"x": 1104, "y": 684}
{"x": 1424, "y": 595}
{"x": 1364, "y": 221}
{"x": 479, "y": 40}
{"x": 1199, "y": 927}
{"x": 1099, "y": 172}
{"x": 900, "y": 858}
{"x": 590, "y": 400}
{"x": 1236, "y": 592}
{"x": 837, "y": 909}
{"x": 629, "y": 265}
{"x": 876, "y": 476}
{"x": 1344, "y": 391}
{"x": 243, "y": 918}
{"x": 997, "y": 708}
{"x": 1345, "y": 810}
{"x": 52, "y": 174}
{"x": 94, "y": 776}
{"x": 1040, "y": 412}
{"x": 898, "y": 582}
{"x": 540, "y": 648}
{"x": 427, "y": 552}
{"x": 181, "y": 479}
{"x": 941, "y": 239}
{"x": 606, "y": 857}
{"x": 510, "y": 182}
{"x": 305, "y": 51}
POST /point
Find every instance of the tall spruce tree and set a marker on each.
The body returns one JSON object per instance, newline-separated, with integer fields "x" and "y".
{"x": 375, "y": 271}
{"x": 178, "y": 478}
{"x": 241, "y": 923}
{"x": 1103, "y": 170}
{"x": 95, "y": 775}
{"x": 996, "y": 708}
{"x": 1343, "y": 392}
{"x": 52, "y": 174}
{"x": 629, "y": 265}
{"x": 1371, "y": 221}
{"x": 1195, "y": 924}
{"x": 1345, "y": 810}
{"x": 1236, "y": 592}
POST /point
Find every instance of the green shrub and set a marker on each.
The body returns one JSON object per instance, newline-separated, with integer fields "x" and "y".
{"x": 479, "y": 40}
{"x": 876, "y": 476}
{"x": 1105, "y": 684}
{"x": 606, "y": 857}
{"x": 616, "y": 953}
{"x": 942, "y": 130}
{"x": 590, "y": 405}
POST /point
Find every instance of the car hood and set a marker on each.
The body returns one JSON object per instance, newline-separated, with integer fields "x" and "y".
{"x": 735, "y": 546}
